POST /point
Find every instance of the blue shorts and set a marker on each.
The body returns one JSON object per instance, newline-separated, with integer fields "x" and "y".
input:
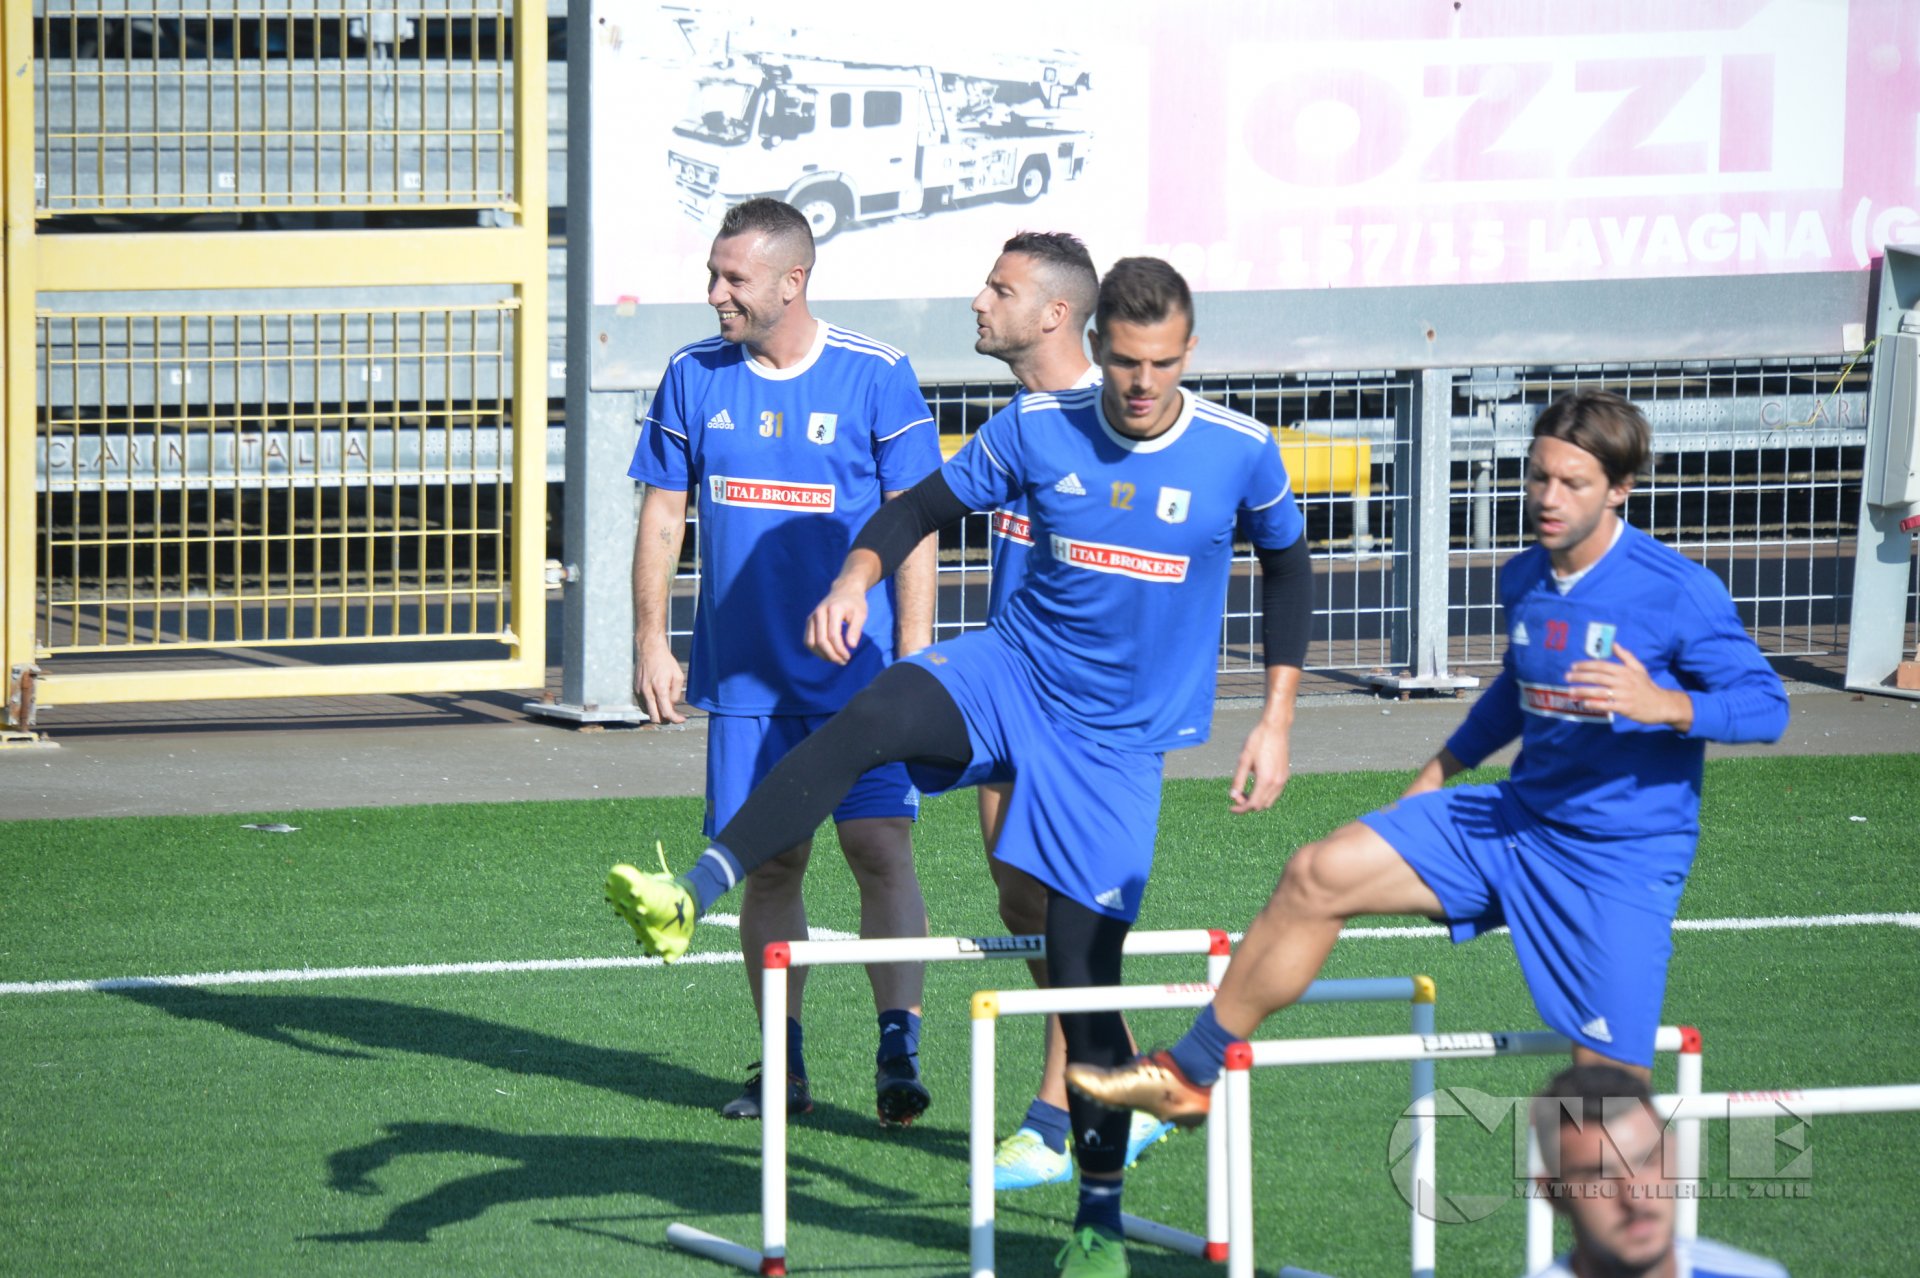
{"x": 742, "y": 749}
{"x": 1595, "y": 965}
{"x": 1083, "y": 816}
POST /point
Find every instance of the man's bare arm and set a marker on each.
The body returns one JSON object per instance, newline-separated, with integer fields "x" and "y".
{"x": 658, "y": 680}
{"x": 916, "y": 584}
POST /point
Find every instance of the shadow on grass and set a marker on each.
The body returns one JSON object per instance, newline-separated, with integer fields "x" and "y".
{"x": 694, "y": 1181}
{"x": 299, "y": 1021}
{"x": 691, "y": 1179}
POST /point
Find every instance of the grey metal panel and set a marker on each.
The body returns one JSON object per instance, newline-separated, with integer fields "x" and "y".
{"x": 1336, "y": 329}
{"x": 601, "y": 510}
{"x": 1883, "y": 561}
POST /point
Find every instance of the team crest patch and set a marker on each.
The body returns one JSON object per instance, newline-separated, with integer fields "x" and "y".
{"x": 1172, "y": 506}
{"x": 1599, "y": 640}
{"x": 821, "y": 427}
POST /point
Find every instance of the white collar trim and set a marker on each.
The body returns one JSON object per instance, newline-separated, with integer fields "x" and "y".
{"x": 1164, "y": 439}
{"x": 788, "y": 374}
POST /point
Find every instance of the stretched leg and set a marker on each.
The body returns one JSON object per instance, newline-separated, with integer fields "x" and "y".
{"x": 903, "y": 716}
{"x": 1351, "y": 871}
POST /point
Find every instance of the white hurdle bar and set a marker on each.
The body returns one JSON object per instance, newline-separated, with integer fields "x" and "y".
{"x": 779, "y": 957}
{"x": 1243, "y": 1057}
{"x": 990, "y": 1005}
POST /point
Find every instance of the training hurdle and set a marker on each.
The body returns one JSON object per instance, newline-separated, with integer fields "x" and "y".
{"x": 781, "y": 956}
{"x": 990, "y": 1005}
{"x": 1242, "y": 1058}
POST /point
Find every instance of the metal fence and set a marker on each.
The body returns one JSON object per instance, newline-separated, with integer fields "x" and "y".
{"x": 296, "y": 105}
{"x": 181, "y": 506}
{"x": 1412, "y": 486}
{"x": 1756, "y": 475}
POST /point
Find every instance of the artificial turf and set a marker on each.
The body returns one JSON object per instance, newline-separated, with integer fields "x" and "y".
{"x": 534, "y": 1122}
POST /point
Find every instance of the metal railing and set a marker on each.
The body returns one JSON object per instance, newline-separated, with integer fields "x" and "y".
{"x": 1756, "y": 475}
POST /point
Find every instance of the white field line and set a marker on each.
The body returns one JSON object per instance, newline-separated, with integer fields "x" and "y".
{"x": 299, "y": 974}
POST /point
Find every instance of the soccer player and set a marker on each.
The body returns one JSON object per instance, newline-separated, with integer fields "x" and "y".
{"x": 791, "y": 431}
{"x": 1623, "y": 659}
{"x": 1605, "y": 1151}
{"x": 1103, "y": 660}
{"x": 1032, "y": 313}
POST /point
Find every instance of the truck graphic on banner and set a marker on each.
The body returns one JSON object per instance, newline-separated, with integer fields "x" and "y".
{"x": 847, "y": 141}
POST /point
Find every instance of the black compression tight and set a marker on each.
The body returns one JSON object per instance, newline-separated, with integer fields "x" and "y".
{"x": 903, "y": 716}
{"x": 1083, "y": 948}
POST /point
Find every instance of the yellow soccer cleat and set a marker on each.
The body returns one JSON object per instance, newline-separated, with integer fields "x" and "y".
{"x": 658, "y": 907}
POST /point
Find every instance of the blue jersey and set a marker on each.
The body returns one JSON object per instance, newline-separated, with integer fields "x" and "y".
{"x": 1119, "y": 615}
{"x": 786, "y": 465}
{"x": 1010, "y": 534}
{"x": 1628, "y": 792}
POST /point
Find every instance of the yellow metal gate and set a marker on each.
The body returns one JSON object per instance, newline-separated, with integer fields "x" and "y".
{"x": 235, "y": 426}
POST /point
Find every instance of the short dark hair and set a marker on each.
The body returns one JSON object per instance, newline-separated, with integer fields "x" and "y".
{"x": 775, "y": 219}
{"x": 1581, "y": 1095}
{"x": 1142, "y": 290}
{"x": 1065, "y": 265}
{"x": 1604, "y": 424}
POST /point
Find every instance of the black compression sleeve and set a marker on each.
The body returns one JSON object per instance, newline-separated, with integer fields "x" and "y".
{"x": 1286, "y": 603}
{"x": 901, "y": 524}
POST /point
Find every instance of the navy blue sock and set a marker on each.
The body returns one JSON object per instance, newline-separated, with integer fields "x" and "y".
{"x": 1100, "y": 1205}
{"x": 796, "y": 1049}
{"x": 1202, "y": 1054}
{"x": 899, "y": 1034}
{"x": 712, "y": 876}
{"x": 1052, "y": 1122}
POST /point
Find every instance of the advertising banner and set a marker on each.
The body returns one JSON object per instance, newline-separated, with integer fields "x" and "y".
{"x": 1263, "y": 144}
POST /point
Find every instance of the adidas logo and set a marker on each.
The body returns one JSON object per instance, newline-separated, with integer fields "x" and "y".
{"x": 720, "y": 421}
{"x": 1071, "y": 486}
{"x": 1597, "y": 1029}
{"x": 1520, "y": 637}
{"x": 1111, "y": 898}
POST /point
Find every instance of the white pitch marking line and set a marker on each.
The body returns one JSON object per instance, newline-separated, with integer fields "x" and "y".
{"x": 293, "y": 975}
